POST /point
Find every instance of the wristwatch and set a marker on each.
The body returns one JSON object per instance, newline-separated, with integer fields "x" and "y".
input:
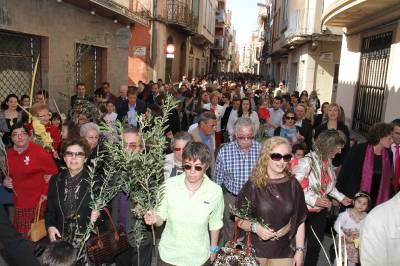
{"x": 253, "y": 227}
{"x": 301, "y": 249}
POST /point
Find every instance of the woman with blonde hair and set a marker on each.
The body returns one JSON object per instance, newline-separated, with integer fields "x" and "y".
{"x": 275, "y": 198}
{"x": 333, "y": 114}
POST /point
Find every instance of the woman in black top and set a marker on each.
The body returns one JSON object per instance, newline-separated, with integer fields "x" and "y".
{"x": 68, "y": 199}
{"x": 275, "y": 198}
{"x": 334, "y": 112}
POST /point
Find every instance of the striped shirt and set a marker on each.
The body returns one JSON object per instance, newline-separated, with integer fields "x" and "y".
{"x": 233, "y": 167}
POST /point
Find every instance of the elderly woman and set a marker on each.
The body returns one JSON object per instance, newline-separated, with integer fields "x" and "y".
{"x": 68, "y": 211}
{"x": 91, "y": 132}
{"x": 317, "y": 178}
{"x": 275, "y": 199}
{"x": 173, "y": 161}
{"x": 193, "y": 207}
{"x": 30, "y": 168}
{"x": 368, "y": 166}
{"x": 333, "y": 114}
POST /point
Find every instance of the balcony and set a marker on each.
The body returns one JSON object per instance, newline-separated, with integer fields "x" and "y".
{"x": 180, "y": 15}
{"x": 345, "y": 13}
{"x": 220, "y": 17}
{"x": 218, "y": 43}
{"x": 137, "y": 13}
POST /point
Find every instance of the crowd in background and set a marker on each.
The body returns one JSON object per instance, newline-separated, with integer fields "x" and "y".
{"x": 232, "y": 138}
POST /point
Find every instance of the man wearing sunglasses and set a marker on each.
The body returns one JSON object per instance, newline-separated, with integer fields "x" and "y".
{"x": 121, "y": 212}
{"x": 234, "y": 164}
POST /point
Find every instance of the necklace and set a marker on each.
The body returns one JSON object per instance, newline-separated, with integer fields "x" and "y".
{"x": 193, "y": 190}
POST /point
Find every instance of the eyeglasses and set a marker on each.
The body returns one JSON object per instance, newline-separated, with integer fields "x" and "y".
{"x": 246, "y": 138}
{"x": 16, "y": 135}
{"x": 188, "y": 167}
{"x": 178, "y": 149}
{"x": 277, "y": 157}
{"x": 71, "y": 154}
{"x": 131, "y": 145}
{"x": 290, "y": 117}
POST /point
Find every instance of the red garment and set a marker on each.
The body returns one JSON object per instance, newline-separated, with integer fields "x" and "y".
{"x": 54, "y": 134}
{"x": 263, "y": 113}
{"x": 325, "y": 179}
{"x": 27, "y": 171}
{"x": 396, "y": 168}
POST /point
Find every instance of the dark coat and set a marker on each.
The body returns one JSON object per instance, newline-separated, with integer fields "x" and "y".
{"x": 349, "y": 178}
{"x": 14, "y": 244}
{"x": 306, "y": 131}
{"x": 54, "y": 214}
{"x": 123, "y": 111}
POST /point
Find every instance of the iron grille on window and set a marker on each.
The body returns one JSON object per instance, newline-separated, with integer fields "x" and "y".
{"x": 18, "y": 54}
{"x": 371, "y": 89}
{"x": 88, "y": 66}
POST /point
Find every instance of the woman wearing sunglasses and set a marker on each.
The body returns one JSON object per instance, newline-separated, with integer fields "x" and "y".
{"x": 318, "y": 180}
{"x": 68, "y": 198}
{"x": 193, "y": 207}
{"x": 275, "y": 198}
{"x": 288, "y": 129}
{"x": 173, "y": 161}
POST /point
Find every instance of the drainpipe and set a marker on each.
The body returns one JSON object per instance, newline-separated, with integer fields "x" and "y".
{"x": 153, "y": 40}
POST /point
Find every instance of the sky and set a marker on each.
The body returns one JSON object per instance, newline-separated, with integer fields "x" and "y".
{"x": 244, "y": 18}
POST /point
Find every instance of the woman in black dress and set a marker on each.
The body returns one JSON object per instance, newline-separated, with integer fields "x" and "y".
{"x": 68, "y": 211}
{"x": 9, "y": 116}
{"x": 275, "y": 198}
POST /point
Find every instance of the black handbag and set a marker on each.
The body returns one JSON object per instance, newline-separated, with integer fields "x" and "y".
{"x": 237, "y": 253}
{"x": 103, "y": 247}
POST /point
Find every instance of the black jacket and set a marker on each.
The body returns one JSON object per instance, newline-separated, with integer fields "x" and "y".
{"x": 306, "y": 131}
{"x": 54, "y": 214}
{"x": 14, "y": 244}
{"x": 123, "y": 109}
{"x": 349, "y": 178}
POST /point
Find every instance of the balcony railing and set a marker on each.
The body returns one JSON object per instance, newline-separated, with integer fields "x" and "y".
{"x": 138, "y": 13}
{"x": 301, "y": 22}
{"x": 218, "y": 43}
{"x": 180, "y": 14}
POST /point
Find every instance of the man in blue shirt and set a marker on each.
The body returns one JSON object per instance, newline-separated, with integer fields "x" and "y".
{"x": 234, "y": 165}
{"x": 132, "y": 108}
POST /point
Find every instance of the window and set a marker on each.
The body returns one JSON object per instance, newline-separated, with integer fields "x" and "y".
{"x": 18, "y": 55}
{"x": 89, "y": 64}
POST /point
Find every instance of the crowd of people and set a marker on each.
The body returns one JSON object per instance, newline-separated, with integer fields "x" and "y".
{"x": 233, "y": 140}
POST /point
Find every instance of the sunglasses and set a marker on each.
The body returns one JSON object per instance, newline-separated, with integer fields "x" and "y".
{"x": 78, "y": 154}
{"x": 178, "y": 149}
{"x": 245, "y": 138}
{"x": 188, "y": 167}
{"x": 277, "y": 157}
{"x": 290, "y": 117}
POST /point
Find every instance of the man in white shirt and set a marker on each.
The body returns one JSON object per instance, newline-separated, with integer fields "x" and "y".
{"x": 276, "y": 115}
{"x": 380, "y": 235}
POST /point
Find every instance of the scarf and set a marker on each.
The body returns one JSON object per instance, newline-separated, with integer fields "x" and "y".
{"x": 368, "y": 171}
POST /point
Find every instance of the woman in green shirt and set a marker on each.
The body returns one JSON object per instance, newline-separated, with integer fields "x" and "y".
{"x": 193, "y": 207}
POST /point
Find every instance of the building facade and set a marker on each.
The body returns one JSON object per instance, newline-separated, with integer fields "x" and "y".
{"x": 368, "y": 81}
{"x": 72, "y": 41}
{"x": 300, "y": 50}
